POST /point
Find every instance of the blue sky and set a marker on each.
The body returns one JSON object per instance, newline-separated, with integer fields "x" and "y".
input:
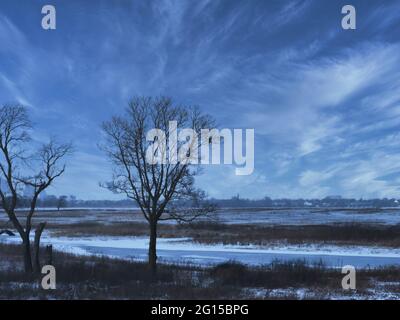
{"x": 324, "y": 102}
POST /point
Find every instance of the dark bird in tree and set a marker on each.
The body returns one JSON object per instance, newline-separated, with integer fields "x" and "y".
{"x": 157, "y": 188}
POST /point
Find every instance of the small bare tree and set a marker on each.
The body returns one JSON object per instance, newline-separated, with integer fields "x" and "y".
{"x": 162, "y": 190}
{"x": 15, "y": 166}
{"x": 61, "y": 202}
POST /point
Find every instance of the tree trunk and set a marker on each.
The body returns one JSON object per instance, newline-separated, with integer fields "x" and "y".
{"x": 49, "y": 254}
{"x": 26, "y": 247}
{"x": 36, "y": 246}
{"x": 152, "y": 247}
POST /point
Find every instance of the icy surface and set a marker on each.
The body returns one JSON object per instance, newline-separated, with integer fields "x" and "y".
{"x": 182, "y": 250}
{"x": 185, "y": 251}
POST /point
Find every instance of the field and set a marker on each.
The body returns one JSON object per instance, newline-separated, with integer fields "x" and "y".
{"x": 88, "y": 277}
{"x": 102, "y": 253}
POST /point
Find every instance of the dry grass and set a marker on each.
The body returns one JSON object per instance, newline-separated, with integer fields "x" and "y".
{"x": 347, "y": 233}
{"x": 99, "y": 229}
{"x": 208, "y": 232}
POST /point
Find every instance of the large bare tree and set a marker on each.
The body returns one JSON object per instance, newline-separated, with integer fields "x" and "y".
{"x": 162, "y": 190}
{"x": 21, "y": 167}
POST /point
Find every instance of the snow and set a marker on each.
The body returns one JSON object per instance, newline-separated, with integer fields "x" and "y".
{"x": 183, "y": 250}
{"x": 306, "y": 217}
{"x": 228, "y": 216}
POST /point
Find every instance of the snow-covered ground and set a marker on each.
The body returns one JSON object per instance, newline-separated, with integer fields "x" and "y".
{"x": 387, "y": 216}
{"x": 379, "y": 293}
{"x": 306, "y": 216}
{"x": 183, "y": 250}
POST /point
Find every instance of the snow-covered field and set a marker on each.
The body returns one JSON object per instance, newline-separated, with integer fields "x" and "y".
{"x": 306, "y": 216}
{"x": 387, "y": 216}
{"x": 183, "y": 250}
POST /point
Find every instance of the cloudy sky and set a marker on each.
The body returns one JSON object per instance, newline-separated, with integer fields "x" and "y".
{"x": 324, "y": 102}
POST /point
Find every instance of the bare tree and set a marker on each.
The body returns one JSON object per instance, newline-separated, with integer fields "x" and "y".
{"x": 61, "y": 202}
{"x": 15, "y": 166}
{"x": 162, "y": 190}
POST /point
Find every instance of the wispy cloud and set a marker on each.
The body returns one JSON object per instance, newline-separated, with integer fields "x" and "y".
{"x": 324, "y": 103}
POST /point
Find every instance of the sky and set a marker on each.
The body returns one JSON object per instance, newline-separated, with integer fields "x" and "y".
{"x": 324, "y": 102}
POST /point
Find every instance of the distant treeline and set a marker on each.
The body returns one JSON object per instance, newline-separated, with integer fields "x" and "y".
{"x": 328, "y": 202}
{"x": 71, "y": 202}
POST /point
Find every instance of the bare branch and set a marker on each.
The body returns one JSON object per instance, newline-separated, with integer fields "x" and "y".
{"x": 153, "y": 186}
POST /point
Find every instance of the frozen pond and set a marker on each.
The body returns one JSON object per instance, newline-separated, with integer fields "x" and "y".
{"x": 210, "y": 257}
{"x": 184, "y": 251}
